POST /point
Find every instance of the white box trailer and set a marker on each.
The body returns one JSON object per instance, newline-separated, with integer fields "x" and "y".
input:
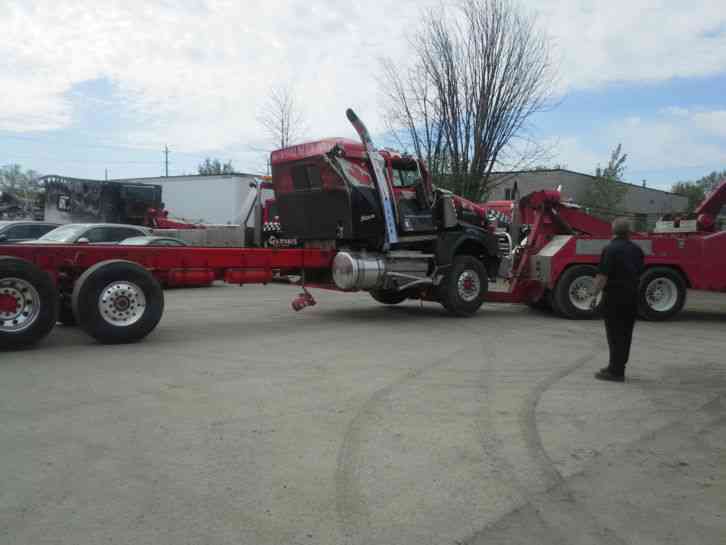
{"x": 215, "y": 200}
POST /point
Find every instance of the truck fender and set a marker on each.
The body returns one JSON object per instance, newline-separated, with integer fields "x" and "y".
{"x": 471, "y": 241}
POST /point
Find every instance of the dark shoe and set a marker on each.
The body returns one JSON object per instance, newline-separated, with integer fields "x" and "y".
{"x": 606, "y": 374}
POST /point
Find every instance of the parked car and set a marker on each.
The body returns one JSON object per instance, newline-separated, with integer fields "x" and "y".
{"x": 20, "y": 231}
{"x": 153, "y": 241}
{"x": 91, "y": 233}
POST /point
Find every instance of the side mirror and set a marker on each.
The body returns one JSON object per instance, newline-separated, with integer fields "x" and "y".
{"x": 83, "y": 240}
{"x": 3, "y": 238}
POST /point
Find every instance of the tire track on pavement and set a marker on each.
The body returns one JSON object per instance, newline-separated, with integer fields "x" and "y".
{"x": 548, "y": 506}
{"x": 351, "y": 506}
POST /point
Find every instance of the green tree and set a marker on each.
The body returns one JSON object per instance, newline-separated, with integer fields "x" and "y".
{"x": 605, "y": 195}
{"x": 710, "y": 181}
{"x": 211, "y": 167}
{"x": 23, "y": 185}
{"x": 693, "y": 190}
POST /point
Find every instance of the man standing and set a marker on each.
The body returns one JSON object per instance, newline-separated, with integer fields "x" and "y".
{"x": 621, "y": 264}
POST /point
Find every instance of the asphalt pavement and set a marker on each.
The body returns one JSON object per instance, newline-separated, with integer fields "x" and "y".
{"x": 239, "y": 421}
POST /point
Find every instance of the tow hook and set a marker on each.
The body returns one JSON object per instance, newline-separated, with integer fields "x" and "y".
{"x": 305, "y": 299}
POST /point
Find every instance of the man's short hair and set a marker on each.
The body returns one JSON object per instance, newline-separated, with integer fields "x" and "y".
{"x": 622, "y": 228}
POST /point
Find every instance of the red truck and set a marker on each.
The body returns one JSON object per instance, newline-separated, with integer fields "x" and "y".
{"x": 367, "y": 220}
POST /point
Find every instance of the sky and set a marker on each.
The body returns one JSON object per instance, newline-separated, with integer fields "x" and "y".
{"x": 93, "y": 88}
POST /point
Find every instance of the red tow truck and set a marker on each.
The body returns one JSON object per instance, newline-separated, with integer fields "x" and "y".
{"x": 554, "y": 264}
{"x": 366, "y": 220}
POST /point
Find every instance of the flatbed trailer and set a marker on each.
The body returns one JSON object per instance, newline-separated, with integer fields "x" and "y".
{"x": 114, "y": 292}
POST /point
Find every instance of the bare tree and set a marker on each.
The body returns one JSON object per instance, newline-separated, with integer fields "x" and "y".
{"x": 478, "y": 77}
{"x": 281, "y": 117}
{"x": 19, "y": 191}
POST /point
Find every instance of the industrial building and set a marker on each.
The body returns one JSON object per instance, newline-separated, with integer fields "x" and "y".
{"x": 644, "y": 204}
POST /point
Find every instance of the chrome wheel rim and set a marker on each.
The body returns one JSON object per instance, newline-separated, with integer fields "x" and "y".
{"x": 580, "y": 292}
{"x": 122, "y": 303}
{"x": 468, "y": 285}
{"x": 27, "y": 305}
{"x": 661, "y": 294}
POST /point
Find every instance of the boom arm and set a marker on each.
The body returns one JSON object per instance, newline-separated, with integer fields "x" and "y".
{"x": 714, "y": 202}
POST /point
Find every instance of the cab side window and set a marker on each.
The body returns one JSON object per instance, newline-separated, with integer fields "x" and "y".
{"x": 405, "y": 177}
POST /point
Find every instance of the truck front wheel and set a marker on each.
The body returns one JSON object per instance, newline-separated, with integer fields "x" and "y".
{"x": 661, "y": 295}
{"x": 464, "y": 286}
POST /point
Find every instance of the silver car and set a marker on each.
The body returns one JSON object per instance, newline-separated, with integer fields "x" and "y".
{"x": 91, "y": 233}
{"x": 20, "y": 231}
{"x": 153, "y": 241}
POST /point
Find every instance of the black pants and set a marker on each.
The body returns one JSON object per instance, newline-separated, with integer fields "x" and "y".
{"x": 620, "y": 310}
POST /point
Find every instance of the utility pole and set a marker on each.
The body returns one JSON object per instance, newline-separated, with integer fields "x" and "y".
{"x": 107, "y": 175}
{"x": 166, "y": 161}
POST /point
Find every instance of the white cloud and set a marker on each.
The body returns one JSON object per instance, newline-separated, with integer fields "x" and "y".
{"x": 714, "y": 122}
{"x": 672, "y": 140}
{"x": 194, "y": 73}
{"x": 636, "y": 40}
{"x": 676, "y": 111}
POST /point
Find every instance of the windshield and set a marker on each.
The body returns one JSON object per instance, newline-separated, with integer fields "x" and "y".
{"x": 66, "y": 233}
{"x": 138, "y": 241}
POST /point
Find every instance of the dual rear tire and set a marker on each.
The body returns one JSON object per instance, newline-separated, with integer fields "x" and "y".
{"x": 28, "y": 303}
{"x": 661, "y": 293}
{"x": 117, "y": 302}
{"x": 113, "y": 301}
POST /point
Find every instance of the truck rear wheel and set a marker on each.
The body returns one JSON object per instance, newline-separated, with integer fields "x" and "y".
{"x": 389, "y": 297}
{"x": 464, "y": 286}
{"x": 662, "y": 294}
{"x": 572, "y": 297}
{"x": 28, "y": 303}
{"x": 117, "y": 302}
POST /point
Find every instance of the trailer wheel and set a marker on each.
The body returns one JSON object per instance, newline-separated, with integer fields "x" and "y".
{"x": 463, "y": 288}
{"x": 117, "y": 302}
{"x": 389, "y": 297}
{"x": 662, "y": 294}
{"x": 572, "y": 294}
{"x": 28, "y": 303}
